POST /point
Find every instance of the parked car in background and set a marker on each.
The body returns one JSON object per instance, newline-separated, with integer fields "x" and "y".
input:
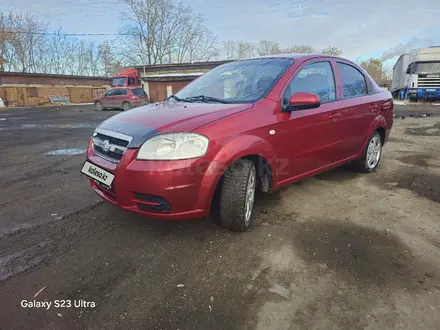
{"x": 122, "y": 98}
{"x": 261, "y": 123}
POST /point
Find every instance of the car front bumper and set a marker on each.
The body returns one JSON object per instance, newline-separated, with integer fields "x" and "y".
{"x": 174, "y": 190}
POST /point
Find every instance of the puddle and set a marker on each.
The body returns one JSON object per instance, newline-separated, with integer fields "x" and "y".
{"x": 416, "y": 160}
{"x": 424, "y": 131}
{"x": 66, "y": 152}
{"x": 419, "y": 181}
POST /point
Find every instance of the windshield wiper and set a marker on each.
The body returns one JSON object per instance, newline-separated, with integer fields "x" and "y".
{"x": 177, "y": 98}
{"x": 205, "y": 98}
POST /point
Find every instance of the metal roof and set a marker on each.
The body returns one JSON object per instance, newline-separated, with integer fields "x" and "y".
{"x": 169, "y": 75}
{"x": 195, "y": 65}
{"x": 294, "y": 56}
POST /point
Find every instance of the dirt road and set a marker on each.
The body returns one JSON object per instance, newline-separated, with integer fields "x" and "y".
{"x": 338, "y": 251}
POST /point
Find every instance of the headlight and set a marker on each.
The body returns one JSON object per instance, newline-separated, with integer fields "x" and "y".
{"x": 174, "y": 146}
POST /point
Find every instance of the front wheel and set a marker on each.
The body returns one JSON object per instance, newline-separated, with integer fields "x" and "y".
{"x": 238, "y": 195}
{"x": 371, "y": 156}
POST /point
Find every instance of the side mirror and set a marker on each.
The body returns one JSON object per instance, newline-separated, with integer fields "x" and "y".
{"x": 105, "y": 94}
{"x": 408, "y": 71}
{"x": 302, "y": 101}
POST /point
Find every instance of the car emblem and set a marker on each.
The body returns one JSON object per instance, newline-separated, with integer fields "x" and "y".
{"x": 105, "y": 145}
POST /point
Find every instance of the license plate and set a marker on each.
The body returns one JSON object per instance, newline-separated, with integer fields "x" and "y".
{"x": 97, "y": 173}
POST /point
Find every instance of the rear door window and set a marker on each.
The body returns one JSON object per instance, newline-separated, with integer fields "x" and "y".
{"x": 139, "y": 92}
{"x": 123, "y": 92}
{"x": 353, "y": 81}
{"x": 314, "y": 78}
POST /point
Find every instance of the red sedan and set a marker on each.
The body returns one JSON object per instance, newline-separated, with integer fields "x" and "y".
{"x": 261, "y": 123}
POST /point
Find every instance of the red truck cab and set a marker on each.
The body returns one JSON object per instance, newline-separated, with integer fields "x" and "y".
{"x": 128, "y": 77}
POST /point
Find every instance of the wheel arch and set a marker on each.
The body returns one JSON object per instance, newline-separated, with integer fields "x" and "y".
{"x": 249, "y": 147}
{"x": 377, "y": 125}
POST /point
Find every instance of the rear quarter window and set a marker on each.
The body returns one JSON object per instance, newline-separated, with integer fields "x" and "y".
{"x": 353, "y": 81}
{"x": 139, "y": 92}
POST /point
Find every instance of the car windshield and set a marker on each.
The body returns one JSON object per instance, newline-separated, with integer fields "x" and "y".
{"x": 427, "y": 67}
{"x": 119, "y": 81}
{"x": 244, "y": 81}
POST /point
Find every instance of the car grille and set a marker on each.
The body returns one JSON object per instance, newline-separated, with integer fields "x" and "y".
{"x": 152, "y": 203}
{"x": 110, "y": 147}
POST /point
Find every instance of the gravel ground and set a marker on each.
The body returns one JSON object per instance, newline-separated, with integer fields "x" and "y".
{"x": 338, "y": 251}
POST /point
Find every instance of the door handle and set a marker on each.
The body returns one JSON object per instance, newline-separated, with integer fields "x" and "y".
{"x": 334, "y": 116}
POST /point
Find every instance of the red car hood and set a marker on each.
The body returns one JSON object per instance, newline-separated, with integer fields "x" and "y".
{"x": 143, "y": 122}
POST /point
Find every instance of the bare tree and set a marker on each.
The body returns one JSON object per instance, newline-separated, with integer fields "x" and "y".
{"x": 374, "y": 67}
{"x": 108, "y": 60}
{"x": 245, "y": 50}
{"x": 4, "y": 39}
{"x": 27, "y": 45}
{"x": 303, "y": 49}
{"x": 61, "y": 47}
{"x": 24, "y": 42}
{"x": 268, "y": 47}
{"x": 163, "y": 31}
{"x": 230, "y": 49}
{"x": 239, "y": 49}
{"x": 332, "y": 50}
{"x": 387, "y": 72}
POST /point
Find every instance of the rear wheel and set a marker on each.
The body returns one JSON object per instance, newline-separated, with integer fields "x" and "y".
{"x": 126, "y": 106}
{"x": 99, "y": 106}
{"x": 238, "y": 195}
{"x": 371, "y": 156}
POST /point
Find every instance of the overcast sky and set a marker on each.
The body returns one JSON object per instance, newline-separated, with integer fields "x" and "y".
{"x": 361, "y": 28}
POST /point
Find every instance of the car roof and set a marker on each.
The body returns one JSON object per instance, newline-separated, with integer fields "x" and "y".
{"x": 295, "y": 56}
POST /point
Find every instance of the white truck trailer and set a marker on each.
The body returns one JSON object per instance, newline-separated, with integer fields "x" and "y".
{"x": 416, "y": 76}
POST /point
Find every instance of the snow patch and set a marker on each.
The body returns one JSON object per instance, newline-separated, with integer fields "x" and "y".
{"x": 66, "y": 152}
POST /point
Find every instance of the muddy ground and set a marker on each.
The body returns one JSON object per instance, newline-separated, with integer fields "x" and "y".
{"x": 338, "y": 251}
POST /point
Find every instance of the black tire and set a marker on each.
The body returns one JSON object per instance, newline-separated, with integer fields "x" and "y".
{"x": 99, "y": 106}
{"x": 126, "y": 106}
{"x": 236, "y": 181}
{"x": 363, "y": 164}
